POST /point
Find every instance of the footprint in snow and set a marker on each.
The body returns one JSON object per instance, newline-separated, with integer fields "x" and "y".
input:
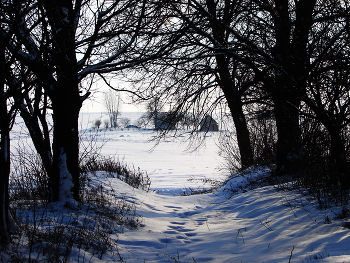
{"x": 175, "y": 208}
{"x": 152, "y": 207}
{"x": 177, "y": 223}
{"x": 184, "y": 233}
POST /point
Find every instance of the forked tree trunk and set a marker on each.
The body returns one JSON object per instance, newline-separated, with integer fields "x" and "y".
{"x": 291, "y": 58}
{"x": 66, "y": 102}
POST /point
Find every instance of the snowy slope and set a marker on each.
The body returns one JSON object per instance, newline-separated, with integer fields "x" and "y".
{"x": 261, "y": 225}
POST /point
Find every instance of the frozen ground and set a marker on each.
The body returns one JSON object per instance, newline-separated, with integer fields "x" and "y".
{"x": 262, "y": 224}
{"x": 170, "y": 164}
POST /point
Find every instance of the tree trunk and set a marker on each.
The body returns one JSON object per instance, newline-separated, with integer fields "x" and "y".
{"x": 66, "y": 102}
{"x": 4, "y": 155}
{"x": 291, "y": 70}
{"x": 231, "y": 91}
{"x": 40, "y": 138}
{"x": 4, "y": 178}
{"x": 242, "y": 132}
{"x": 65, "y": 174}
{"x": 234, "y": 101}
{"x": 289, "y": 135}
{"x": 339, "y": 165}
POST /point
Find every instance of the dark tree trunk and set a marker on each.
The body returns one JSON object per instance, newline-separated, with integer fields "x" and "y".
{"x": 4, "y": 173}
{"x": 65, "y": 152}
{"x": 4, "y": 154}
{"x": 285, "y": 109}
{"x": 234, "y": 102}
{"x": 289, "y": 135}
{"x": 231, "y": 91}
{"x": 290, "y": 79}
{"x": 66, "y": 102}
{"x": 339, "y": 164}
{"x": 40, "y": 138}
{"x": 242, "y": 132}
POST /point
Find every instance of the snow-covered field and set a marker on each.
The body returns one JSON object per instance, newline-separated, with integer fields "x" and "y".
{"x": 263, "y": 224}
{"x": 170, "y": 164}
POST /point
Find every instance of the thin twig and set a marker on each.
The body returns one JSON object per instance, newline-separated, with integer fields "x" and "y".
{"x": 206, "y": 221}
{"x": 291, "y": 255}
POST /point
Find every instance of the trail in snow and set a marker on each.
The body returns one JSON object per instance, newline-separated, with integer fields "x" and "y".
{"x": 260, "y": 225}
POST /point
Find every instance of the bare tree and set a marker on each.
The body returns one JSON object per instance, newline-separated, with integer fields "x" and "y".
{"x": 329, "y": 85}
{"x": 111, "y": 101}
{"x": 243, "y": 52}
{"x": 64, "y": 42}
{"x": 106, "y": 124}
{"x": 125, "y": 121}
{"x": 4, "y": 151}
{"x": 8, "y": 110}
{"x": 266, "y": 42}
{"x": 200, "y": 77}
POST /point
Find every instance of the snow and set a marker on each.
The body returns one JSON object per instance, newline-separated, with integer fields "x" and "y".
{"x": 238, "y": 222}
{"x": 261, "y": 225}
{"x": 170, "y": 164}
{"x": 264, "y": 224}
{"x": 66, "y": 184}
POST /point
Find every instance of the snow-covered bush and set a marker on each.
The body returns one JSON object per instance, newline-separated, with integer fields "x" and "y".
{"x": 115, "y": 168}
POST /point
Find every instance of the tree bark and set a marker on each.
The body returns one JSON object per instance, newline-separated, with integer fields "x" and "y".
{"x": 339, "y": 164}
{"x": 231, "y": 92}
{"x": 290, "y": 56}
{"x": 289, "y": 135}
{"x": 66, "y": 102}
{"x": 4, "y": 154}
{"x": 242, "y": 133}
{"x": 40, "y": 138}
{"x": 4, "y": 177}
{"x": 235, "y": 105}
{"x": 65, "y": 174}
{"x": 234, "y": 102}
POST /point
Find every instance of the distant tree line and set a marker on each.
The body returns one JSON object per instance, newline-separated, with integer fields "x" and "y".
{"x": 281, "y": 59}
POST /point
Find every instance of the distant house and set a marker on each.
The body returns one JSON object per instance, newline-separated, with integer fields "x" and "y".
{"x": 131, "y": 127}
{"x": 208, "y": 124}
{"x": 164, "y": 121}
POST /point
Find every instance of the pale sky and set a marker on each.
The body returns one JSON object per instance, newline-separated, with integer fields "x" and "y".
{"x": 95, "y": 104}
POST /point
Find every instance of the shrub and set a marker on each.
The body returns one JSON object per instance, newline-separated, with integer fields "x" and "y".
{"x": 28, "y": 179}
{"x": 116, "y": 169}
{"x": 52, "y": 233}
